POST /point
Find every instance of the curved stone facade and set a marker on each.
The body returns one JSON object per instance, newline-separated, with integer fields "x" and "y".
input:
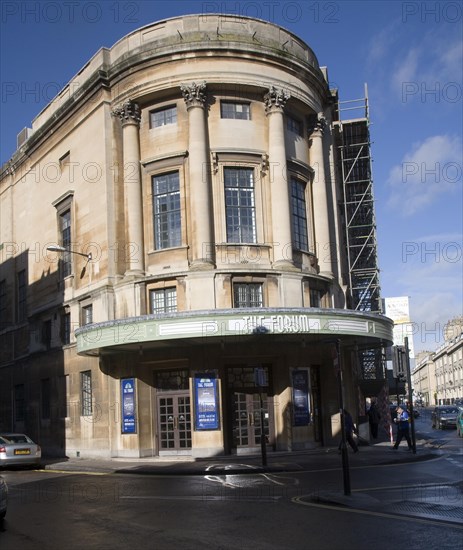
{"x": 197, "y": 165}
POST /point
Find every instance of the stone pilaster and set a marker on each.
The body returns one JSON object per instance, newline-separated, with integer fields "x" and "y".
{"x": 200, "y": 236}
{"x": 275, "y": 101}
{"x": 129, "y": 115}
{"x": 320, "y": 197}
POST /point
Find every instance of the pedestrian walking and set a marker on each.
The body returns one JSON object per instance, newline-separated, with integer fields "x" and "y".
{"x": 374, "y": 417}
{"x": 349, "y": 430}
{"x": 402, "y": 428}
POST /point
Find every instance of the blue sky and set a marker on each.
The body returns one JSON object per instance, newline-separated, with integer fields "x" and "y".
{"x": 409, "y": 54}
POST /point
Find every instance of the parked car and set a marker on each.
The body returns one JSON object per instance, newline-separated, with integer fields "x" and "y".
{"x": 460, "y": 423}
{"x": 3, "y": 497}
{"x": 444, "y": 416}
{"x": 18, "y": 450}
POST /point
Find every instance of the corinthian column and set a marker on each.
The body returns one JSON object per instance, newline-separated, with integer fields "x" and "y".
{"x": 275, "y": 101}
{"x": 200, "y": 235}
{"x": 320, "y": 198}
{"x": 129, "y": 115}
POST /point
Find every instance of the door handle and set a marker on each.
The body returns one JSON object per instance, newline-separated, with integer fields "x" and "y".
{"x": 251, "y": 419}
{"x": 175, "y": 422}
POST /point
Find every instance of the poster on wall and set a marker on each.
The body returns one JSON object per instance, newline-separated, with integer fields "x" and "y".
{"x": 128, "y": 406}
{"x": 301, "y": 413}
{"x": 206, "y": 402}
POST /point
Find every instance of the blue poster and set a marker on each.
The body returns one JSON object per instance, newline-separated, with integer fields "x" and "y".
{"x": 206, "y": 405}
{"x": 128, "y": 406}
{"x": 301, "y": 415}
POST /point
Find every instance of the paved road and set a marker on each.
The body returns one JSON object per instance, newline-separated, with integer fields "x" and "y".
{"x": 398, "y": 500}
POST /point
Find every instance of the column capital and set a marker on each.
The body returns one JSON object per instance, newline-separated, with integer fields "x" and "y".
{"x": 275, "y": 99}
{"x": 128, "y": 113}
{"x": 317, "y": 125}
{"x": 194, "y": 94}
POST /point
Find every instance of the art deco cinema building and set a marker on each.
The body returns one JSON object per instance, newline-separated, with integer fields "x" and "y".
{"x": 177, "y": 243}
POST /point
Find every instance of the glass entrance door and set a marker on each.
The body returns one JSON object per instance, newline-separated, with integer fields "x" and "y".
{"x": 174, "y": 424}
{"x": 246, "y": 421}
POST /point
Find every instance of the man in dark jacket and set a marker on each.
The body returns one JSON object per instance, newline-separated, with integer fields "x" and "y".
{"x": 402, "y": 428}
{"x": 374, "y": 417}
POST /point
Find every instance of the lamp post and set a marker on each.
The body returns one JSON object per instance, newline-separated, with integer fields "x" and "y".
{"x": 57, "y": 248}
{"x": 345, "y": 458}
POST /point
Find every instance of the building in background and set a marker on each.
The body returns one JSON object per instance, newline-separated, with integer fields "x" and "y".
{"x": 424, "y": 379}
{"x": 438, "y": 376}
{"x": 448, "y": 360}
{"x": 172, "y": 248}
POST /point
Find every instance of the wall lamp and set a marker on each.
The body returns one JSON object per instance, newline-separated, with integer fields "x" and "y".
{"x": 55, "y": 248}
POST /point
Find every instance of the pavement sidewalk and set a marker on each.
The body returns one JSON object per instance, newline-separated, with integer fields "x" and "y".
{"x": 319, "y": 458}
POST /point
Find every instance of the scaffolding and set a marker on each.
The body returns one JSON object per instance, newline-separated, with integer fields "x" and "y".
{"x": 360, "y": 226}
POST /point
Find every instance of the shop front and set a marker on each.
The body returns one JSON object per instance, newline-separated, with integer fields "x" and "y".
{"x": 214, "y": 383}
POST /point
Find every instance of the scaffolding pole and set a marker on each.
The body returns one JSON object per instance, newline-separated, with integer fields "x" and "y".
{"x": 360, "y": 225}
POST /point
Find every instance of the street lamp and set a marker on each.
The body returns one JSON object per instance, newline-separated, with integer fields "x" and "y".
{"x": 57, "y": 248}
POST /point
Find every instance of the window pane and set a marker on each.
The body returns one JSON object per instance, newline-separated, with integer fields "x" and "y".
{"x": 247, "y": 295}
{"x": 22, "y": 296}
{"x": 65, "y": 221}
{"x": 163, "y": 300}
{"x": 294, "y": 125}
{"x": 86, "y": 393}
{"x": 240, "y": 205}
{"x": 163, "y": 117}
{"x": 230, "y": 109}
{"x": 87, "y": 315}
{"x": 166, "y": 207}
{"x": 299, "y": 215}
{"x": 66, "y": 328}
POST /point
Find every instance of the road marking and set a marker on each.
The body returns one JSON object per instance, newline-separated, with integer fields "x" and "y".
{"x": 232, "y": 497}
{"x": 224, "y": 482}
{"x": 293, "y": 481}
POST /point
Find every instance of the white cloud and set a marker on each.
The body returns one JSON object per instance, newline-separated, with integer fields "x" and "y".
{"x": 431, "y": 65}
{"x": 406, "y": 73}
{"x": 435, "y": 291}
{"x": 430, "y": 272}
{"x": 382, "y": 43}
{"x": 419, "y": 63}
{"x": 432, "y": 167}
{"x": 429, "y": 315}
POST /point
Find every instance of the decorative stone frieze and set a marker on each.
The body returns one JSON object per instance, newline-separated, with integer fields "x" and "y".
{"x": 194, "y": 94}
{"x": 275, "y": 98}
{"x": 128, "y": 113}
